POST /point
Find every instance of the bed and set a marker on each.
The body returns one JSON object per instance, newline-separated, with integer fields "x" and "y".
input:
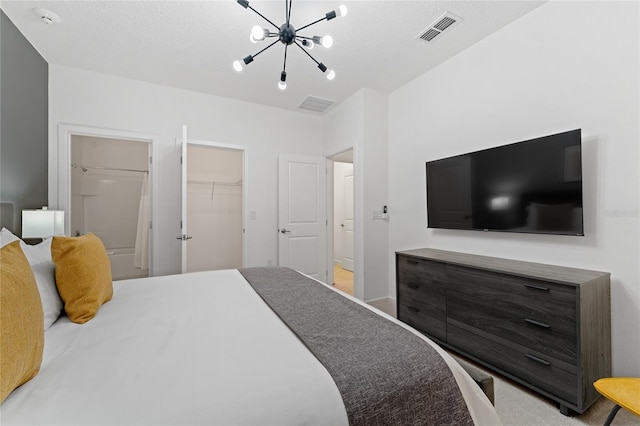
{"x": 227, "y": 348}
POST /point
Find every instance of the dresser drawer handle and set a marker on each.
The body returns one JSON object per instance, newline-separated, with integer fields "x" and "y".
{"x": 412, "y": 309}
{"x": 538, "y": 323}
{"x": 413, "y": 285}
{"x": 536, "y": 359}
{"x": 535, "y": 287}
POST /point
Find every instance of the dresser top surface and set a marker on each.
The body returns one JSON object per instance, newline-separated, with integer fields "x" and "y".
{"x": 554, "y": 273}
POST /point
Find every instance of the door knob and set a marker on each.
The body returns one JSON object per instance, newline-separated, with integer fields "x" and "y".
{"x": 284, "y": 231}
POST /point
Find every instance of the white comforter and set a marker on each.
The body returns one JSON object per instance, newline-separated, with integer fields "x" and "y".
{"x": 200, "y": 348}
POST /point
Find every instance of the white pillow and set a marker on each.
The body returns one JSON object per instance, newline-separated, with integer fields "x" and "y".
{"x": 39, "y": 257}
{"x": 6, "y": 237}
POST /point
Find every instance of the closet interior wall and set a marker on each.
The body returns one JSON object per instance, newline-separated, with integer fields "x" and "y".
{"x": 214, "y": 207}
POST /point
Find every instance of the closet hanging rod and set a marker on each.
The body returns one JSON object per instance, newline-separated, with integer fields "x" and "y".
{"x": 116, "y": 169}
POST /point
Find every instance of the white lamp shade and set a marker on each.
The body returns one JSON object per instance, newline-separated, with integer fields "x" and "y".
{"x": 42, "y": 223}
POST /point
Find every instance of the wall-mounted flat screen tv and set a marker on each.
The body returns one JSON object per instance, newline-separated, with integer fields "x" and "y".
{"x": 534, "y": 186}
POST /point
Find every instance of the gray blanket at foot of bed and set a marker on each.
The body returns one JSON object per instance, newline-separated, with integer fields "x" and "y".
{"x": 385, "y": 374}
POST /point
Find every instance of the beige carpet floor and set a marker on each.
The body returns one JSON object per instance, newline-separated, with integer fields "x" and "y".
{"x": 518, "y": 406}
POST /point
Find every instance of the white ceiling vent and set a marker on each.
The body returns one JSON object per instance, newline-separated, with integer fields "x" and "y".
{"x": 316, "y": 104}
{"x": 442, "y": 24}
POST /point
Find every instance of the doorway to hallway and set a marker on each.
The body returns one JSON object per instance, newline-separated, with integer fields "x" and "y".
{"x": 343, "y": 222}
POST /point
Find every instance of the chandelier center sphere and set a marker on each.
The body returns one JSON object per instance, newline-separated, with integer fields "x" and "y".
{"x": 287, "y": 34}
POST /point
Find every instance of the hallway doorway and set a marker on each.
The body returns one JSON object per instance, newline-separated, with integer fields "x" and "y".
{"x": 343, "y": 222}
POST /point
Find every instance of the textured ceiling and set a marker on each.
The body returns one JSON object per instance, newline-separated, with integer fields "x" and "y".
{"x": 192, "y": 44}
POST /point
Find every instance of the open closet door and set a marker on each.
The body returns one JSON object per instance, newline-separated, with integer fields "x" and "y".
{"x": 302, "y": 230}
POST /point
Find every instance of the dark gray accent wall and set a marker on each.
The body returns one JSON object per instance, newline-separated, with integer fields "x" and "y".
{"x": 24, "y": 79}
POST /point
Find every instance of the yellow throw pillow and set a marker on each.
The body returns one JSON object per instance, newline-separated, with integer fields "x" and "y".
{"x": 21, "y": 320}
{"x": 83, "y": 275}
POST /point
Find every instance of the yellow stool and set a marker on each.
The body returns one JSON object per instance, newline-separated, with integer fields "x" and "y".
{"x": 622, "y": 391}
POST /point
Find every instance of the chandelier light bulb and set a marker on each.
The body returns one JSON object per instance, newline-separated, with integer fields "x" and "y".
{"x": 308, "y": 44}
{"x": 342, "y": 10}
{"x": 331, "y": 75}
{"x": 282, "y": 84}
{"x": 237, "y": 65}
{"x": 326, "y": 41}
{"x": 257, "y": 33}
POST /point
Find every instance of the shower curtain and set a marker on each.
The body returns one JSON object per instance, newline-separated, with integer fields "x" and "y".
{"x": 141, "y": 253}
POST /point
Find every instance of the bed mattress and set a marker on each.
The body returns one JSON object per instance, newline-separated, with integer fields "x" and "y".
{"x": 198, "y": 348}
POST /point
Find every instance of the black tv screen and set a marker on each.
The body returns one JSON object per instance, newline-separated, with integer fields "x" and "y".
{"x": 534, "y": 186}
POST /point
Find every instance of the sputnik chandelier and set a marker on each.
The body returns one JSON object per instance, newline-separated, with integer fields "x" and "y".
{"x": 288, "y": 35}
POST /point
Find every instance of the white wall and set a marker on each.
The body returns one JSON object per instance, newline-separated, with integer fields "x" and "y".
{"x": 552, "y": 70}
{"x": 90, "y": 99}
{"x": 360, "y": 122}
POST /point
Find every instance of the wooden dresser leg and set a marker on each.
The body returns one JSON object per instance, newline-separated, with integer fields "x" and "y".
{"x": 566, "y": 410}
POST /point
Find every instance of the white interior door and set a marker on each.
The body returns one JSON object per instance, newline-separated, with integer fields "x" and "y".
{"x": 184, "y": 236}
{"x": 347, "y": 229}
{"x": 302, "y": 223}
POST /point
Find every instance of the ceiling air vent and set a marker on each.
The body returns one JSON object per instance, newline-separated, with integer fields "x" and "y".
{"x": 316, "y": 104}
{"x": 443, "y": 23}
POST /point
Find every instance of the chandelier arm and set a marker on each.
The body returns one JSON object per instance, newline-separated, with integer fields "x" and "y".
{"x": 266, "y": 48}
{"x": 284, "y": 65}
{"x": 314, "y": 22}
{"x": 289, "y": 12}
{"x": 308, "y": 54}
{"x": 264, "y": 17}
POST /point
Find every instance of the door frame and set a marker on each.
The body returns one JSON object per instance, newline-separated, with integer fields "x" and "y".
{"x": 245, "y": 175}
{"x": 63, "y": 199}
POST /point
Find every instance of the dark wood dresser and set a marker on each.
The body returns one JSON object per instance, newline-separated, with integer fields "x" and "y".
{"x": 546, "y": 327}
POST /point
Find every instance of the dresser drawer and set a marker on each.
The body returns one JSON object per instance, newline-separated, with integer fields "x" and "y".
{"x": 431, "y": 300}
{"x": 536, "y": 333}
{"x": 416, "y": 317}
{"x": 422, "y": 295}
{"x": 542, "y": 301}
{"x": 412, "y": 270}
{"x": 532, "y": 368}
